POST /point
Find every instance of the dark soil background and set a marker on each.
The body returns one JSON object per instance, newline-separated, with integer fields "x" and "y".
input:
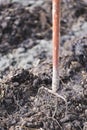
{"x": 26, "y": 66}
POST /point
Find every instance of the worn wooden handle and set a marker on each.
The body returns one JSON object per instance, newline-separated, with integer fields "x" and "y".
{"x": 56, "y": 42}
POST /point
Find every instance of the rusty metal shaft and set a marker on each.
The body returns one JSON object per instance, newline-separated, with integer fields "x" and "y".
{"x": 56, "y": 42}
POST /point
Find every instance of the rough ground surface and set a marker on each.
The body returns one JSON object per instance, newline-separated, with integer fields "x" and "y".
{"x": 26, "y": 67}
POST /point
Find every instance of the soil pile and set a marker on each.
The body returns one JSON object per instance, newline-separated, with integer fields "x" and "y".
{"x": 23, "y": 105}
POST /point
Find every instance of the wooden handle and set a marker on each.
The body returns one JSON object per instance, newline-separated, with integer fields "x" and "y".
{"x": 56, "y": 42}
{"x": 56, "y": 31}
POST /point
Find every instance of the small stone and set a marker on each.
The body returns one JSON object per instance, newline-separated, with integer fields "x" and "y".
{"x": 20, "y": 50}
{"x": 7, "y": 18}
{"x": 17, "y": 22}
{"x": 16, "y": 84}
{"x": 4, "y": 25}
{"x": 13, "y": 122}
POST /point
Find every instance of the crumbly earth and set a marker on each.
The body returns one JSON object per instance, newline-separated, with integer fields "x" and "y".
{"x": 26, "y": 68}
